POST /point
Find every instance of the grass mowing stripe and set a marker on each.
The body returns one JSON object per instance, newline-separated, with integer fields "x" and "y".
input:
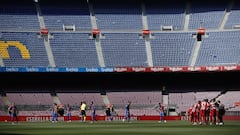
{"x": 119, "y": 128}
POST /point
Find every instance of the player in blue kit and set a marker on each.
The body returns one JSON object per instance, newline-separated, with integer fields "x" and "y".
{"x": 68, "y": 109}
{"x": 127, "y": 111}
{"x": 93, "y": 112}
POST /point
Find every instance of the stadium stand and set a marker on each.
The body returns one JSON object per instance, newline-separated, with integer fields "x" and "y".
{"x": 30, "y": 98}
{"x": 120, "y": 23}
{"x": 77, "y": 98}
{"x": 234, "y": 16}
{"x": 124, "y": 49}
{"x": 120, "y": 15}
{"x": 182, "y": 101}
{"x": 123, "y": 46}
{"x": 229, "y": 98}
{"x": 201, "y": 12}
{"x": 2, "y": 110}
{"x": 16, "y": 15}
{"x": 1, "y": 102}
{"x": 34, "y": 113}
{"x": 72, "y": 13}
{"x": 138, "y": 112}
{"x": 164, "y": 13}
{"x": 213, "y": 49}
{"x": 172, "y": 49}
{"x": 206, "y": 95}
{"x": 136, "y": 98}
{"x": 74, "y": 50}
{"x": 33, "y": 44}
{"x": 143, "y": 103}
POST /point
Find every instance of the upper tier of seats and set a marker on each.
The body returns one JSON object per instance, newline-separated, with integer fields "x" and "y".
{"x": 15, "y": 15}
{"x": 165, "y": 13}
{"x": 234, "y": 16}
{"x": 208, "y": 14}
{"x": 120, "y": 15}
{"x": 59, "y": 13}
{"x": 117, "y": 15}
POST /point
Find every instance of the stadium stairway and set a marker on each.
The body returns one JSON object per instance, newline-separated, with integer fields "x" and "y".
{"x": 56, "y": 100}
{"x": 5, "y": 100}
{"x": 226, "y": 14}
{"x": 187, "y": 17}
{"x": 46, "y": 41}
{"x": 1, "y": 62}
{"x": 221, "y": 94}
{"x": 193, "y": 58}
{"x": 144, "y": 17}
{"x": 92, "y": 16}
{"x": 105, "y": 99}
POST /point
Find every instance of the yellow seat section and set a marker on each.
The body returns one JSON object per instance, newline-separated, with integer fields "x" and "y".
{"x": 23, "y": 49}
{"x": 3, "y": 50}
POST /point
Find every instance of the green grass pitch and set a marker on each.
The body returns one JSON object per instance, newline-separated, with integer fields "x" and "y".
{"x": 118, "y": 128}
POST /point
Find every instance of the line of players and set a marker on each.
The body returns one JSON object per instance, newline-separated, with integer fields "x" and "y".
{"x": 83, "y": 106}
{"x": 206, "y": 112}
{"x": 60, "y": 108}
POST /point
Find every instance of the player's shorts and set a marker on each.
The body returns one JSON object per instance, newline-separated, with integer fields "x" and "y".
{"x": 127, "y": 114}
{"x": 213, "y": 112}
{"x": 14, "y": 114}
{"x": 202, "y": 113}
{"x": 161, "y": 113}
{"x": 83, "y": 112}
{"x": 108, "y": 113}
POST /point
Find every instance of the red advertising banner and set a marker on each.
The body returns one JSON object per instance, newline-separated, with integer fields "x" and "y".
{"x": 77, "y": 118}
{"x": 178, "y": 69}
{"x": 99, "y": 118}
{"x": 237, "y": 103}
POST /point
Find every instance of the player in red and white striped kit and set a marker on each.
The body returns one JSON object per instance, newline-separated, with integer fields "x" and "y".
{"x": 190, "y": 114}
{"x": 195, "y": 112}
{"x": 213, "y": 112}
{"x": 204, "y": 114}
